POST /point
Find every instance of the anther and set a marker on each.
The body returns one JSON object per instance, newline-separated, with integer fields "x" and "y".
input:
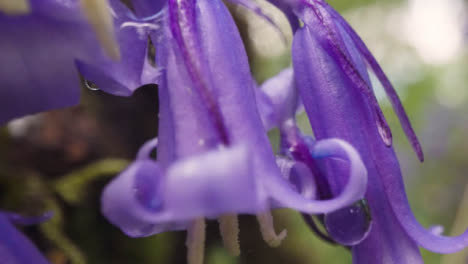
{"x": 229, "y": 229}
{"x": 267, "y": 229}
{"x": 15, "y": 7}
{"x": 99, "y": 16}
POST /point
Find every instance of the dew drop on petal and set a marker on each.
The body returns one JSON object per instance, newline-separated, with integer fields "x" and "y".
{"x": 350, "y": 225}
{"x": 91, "y": 86}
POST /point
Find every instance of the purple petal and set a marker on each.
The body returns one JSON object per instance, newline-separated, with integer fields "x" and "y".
{"x": 299, "y": 175}
{"x": 281, "y": 100}
{"x": 145, "y": 8}
{"x": 15, "y": 248}
{"x": 214, "y": 183}
{"x": 342, "y": 49}
{"x": 125, "y": 76}
{"x": 142, "y": 201}
{"x": 391, "y": 93}
{"x": 133, "y": 197}
{"x": 266, "y": 109}
{"x": 353, "y": 191}
{"x": 147, "y": 148}
{"x": 337, "y": 110}
{"x": 183, "y": 22}
{"x": 40, "y": 50}
{"x": 22, "y": 220}
{"x": 394, "y": 189}
{"x": 288, "y": 10}
{"x": 38, "y": 71}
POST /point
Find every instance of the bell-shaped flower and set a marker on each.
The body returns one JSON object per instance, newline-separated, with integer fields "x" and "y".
{"x": 278, "y": 103}
{"x": 43, "y": 47}
{"x": 214, "y": 159}
{"x": 331, "y": 76}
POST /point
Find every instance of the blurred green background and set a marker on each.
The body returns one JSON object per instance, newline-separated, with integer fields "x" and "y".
{"x": 61, "y": 160}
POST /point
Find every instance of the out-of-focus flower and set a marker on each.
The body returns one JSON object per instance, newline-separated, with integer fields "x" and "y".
{"x": 15, "y": 248}
{"x": 214, "y": 158}
{"x": 41, "y": 49}
{"x": 331, "y": 75}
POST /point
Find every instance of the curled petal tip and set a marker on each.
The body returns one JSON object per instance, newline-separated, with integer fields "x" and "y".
{"x": 15, "y": 7}
{"x": 98, "y": 15}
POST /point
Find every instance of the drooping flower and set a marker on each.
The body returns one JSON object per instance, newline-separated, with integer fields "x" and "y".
{"x": 15, "y": 248}
{"x": 213, "y": 159}
{"x": 42, "y": 47}
{"x": 278, "y": 103}
{"x": 331, "y": 75}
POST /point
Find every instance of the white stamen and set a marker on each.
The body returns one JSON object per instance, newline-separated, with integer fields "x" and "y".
{"x": 267, "y": 229}
{"x": 15, "y": 7}
{"x": 141, "y": 28}
{"x": 229, "y": 229}
{"x": 139, "y": 25}
{"x": 100, "y": 19}
{"x": 196, "y": 241}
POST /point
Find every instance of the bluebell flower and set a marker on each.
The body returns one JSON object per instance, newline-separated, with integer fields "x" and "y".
{"x": 278, "y": 103}
{"x": 43, "y": 47}
{"x": 16, "y": 248}
{"x": 330, "y": 67}
{"x": 214, "y": 159}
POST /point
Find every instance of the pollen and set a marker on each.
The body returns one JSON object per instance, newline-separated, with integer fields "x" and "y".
{"x": 15, "y": 7}
{"x": 99, "y": 16}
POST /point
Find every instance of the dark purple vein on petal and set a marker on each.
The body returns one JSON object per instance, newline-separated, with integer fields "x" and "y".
{"x": 337, "y": 44}
{"x": 252, "y": 6}
{"x": 182, "y": 21}
{"x": 388, "y": 87}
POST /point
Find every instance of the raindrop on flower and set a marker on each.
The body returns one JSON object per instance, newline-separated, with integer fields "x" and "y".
{"x": 91, "y": 86}
{"x": 350, "y": 225}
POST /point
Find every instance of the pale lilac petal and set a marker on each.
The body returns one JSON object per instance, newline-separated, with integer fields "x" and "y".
{"x": 299, "y": 175}
{"x": 134, "y": 196}
{"x": 266, "y": 109}
{"x": 214, "y": 183}
{"x": 353, "y": 190}
{"x": 277, "y": 99}
{"x": 143, "y": 200}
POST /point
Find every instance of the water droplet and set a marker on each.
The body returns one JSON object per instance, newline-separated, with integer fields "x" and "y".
{"x": 350, "y": 225}
{"x": 91, "y": 86}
